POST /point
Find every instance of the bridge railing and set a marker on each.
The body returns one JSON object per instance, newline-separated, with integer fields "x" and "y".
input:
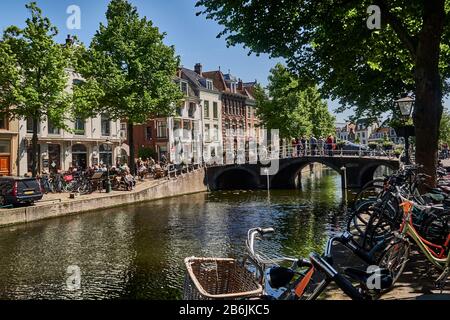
{"x": 296, "y": 151}
{"x": 289, "y": 152}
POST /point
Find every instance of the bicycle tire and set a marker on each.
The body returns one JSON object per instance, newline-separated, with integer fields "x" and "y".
{"x": 394, "y": 259}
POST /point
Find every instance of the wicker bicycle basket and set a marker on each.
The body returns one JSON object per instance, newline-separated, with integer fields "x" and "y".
{"x": 218, "y": 279}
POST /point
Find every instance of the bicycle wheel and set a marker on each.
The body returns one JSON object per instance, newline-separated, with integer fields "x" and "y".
{"x": 359, "y": 219}
{"x": 369, "y": 192}
{"x": 395, "y": 257}
{"x": 379, "y": 228}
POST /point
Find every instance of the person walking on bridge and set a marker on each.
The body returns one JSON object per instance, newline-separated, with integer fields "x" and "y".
{"x": 313, "y": 145}
{"x": 320, "y": 146}
{"x": 303, "y": 145}
{"x": 330, "y": 145}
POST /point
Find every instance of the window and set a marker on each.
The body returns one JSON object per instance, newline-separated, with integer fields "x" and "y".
{"x": 80, "y": 127}
{"x": 209, "y": 84}
{"x": 184, "y": 87}
{"x": 206, "y": 109}
{"x": 54, "y": 157}
{"x": 123, "y": 130}
{"x": 186, "y": 129}
{"x": 215, "y": 110}
{"x": 106, "y": 154}
{"x": 216, "y": 132}
{"x": 52, "y": 129}
{"x": 30, "y": 126}
{"x": 5, "y": 146}
{"x": 179, "y": 111}
{"x": 3, "y": 121}
{"x": 161, "y": 129}
{"x": 191, "y": 110}
{"x": 249, "y": 112}
{"x": 207, "y": 129}
{"x": 106, "y": 125}
{"x": 177, "y": 127}
{"x": 148, "y": 133}
{"x": 233, "y": 87}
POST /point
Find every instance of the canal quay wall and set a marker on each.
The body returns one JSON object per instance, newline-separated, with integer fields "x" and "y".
{"x": 193, "y": 182}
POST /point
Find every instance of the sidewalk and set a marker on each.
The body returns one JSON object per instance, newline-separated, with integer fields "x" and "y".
{"x": 416, "y": 282}
{"x": 65, "y": 197}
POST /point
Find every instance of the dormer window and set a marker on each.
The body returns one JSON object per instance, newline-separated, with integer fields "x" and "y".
{"x": 184, "y": 87}
{"x": 233, "y": 87}
{"x": 209, "y": 84}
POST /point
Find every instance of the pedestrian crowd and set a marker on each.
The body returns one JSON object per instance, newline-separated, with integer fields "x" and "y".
{"x": 313, "y": 146}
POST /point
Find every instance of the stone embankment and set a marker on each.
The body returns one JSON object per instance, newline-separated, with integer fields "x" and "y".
{"x": 57, "y": 205}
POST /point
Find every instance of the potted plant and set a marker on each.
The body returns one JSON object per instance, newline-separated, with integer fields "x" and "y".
{"x": 398, "y": 152}
{"x": 388, "y": 145}
{"x": 340, "y": 145}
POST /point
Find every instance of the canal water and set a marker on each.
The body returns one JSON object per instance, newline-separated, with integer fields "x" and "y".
{"x": 137, "y": 252}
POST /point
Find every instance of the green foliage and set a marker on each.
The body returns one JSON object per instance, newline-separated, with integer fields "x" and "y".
{"x": 293, "y": 111}
{"x": 129, "y": 71}
{"x": 328, "y": 42}
{"x": 33, "y": 74}
{"x": 398, "y": 151}
{"x": 444, "y": 132}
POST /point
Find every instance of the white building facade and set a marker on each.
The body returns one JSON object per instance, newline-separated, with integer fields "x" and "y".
{"x": 92, "y": 141}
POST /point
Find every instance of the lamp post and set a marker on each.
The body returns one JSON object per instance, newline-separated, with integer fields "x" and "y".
{"x": 406, "y": 106}
{"x": 108, "y": 181}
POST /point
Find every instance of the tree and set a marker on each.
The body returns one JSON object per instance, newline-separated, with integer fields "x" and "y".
{"x": 129, "y": 71}
{"x": 33, "y": 75}
{"x": 328, "y": 41}
{"x": 321, "y": 119}
{"x": 444, "y": 132}
{"x": 293, "y": 111}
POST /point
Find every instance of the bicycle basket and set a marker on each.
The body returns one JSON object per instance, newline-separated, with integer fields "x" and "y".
{"x": 218, "y": 279}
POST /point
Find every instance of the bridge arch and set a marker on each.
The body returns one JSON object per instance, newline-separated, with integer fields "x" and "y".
{"x": 367, "y": 171}
{"x": 235, "y": 178}
{"x": 287, "y": 176}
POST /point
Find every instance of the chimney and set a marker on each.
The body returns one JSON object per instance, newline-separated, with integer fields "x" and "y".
{"x": 240, "y": 85}
{"x": 69, "y": 40}
{"x": 199, "y": 69}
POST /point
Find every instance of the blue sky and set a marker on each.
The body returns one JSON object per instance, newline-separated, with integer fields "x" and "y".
{"x": 194, "y": 37}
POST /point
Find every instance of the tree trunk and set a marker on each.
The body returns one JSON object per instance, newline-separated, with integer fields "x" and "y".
{"x": 428, "y": 106}
{"x": 132, "y": 163}
{"x": 34, "y": 148}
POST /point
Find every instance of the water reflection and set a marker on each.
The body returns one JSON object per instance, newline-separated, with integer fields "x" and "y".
{"x": 137, "y": 252}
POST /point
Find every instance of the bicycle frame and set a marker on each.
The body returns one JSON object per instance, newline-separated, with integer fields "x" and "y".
{"x": 407, "y": 229}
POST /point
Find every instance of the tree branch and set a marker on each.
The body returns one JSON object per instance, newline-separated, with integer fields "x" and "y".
{"x": 399, "y": 28}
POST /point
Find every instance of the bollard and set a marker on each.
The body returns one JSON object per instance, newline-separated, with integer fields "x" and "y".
{"x": 344, "y": 183}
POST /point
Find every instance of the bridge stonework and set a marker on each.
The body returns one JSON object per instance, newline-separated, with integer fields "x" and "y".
{"x": 358, "y": 171}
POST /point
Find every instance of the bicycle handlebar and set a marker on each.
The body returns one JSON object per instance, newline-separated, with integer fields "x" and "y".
{"x": 250, "y": 244}
{"x": 344, "y": 284}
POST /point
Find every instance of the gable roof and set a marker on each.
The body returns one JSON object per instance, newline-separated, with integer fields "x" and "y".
{"x": 196, "y": 79}
{"x": 218, "y": 80}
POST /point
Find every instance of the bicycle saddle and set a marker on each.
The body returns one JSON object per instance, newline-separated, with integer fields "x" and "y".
{"x": 379, "y": 279}
{"x": 280, "y": 277}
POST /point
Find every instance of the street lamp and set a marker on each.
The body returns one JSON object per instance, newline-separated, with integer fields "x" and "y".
{"x": 406, "y": 106}
{"x": 108, "y": 181}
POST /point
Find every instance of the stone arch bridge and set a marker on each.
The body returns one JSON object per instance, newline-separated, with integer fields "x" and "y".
{"x": 354, "y": 170}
